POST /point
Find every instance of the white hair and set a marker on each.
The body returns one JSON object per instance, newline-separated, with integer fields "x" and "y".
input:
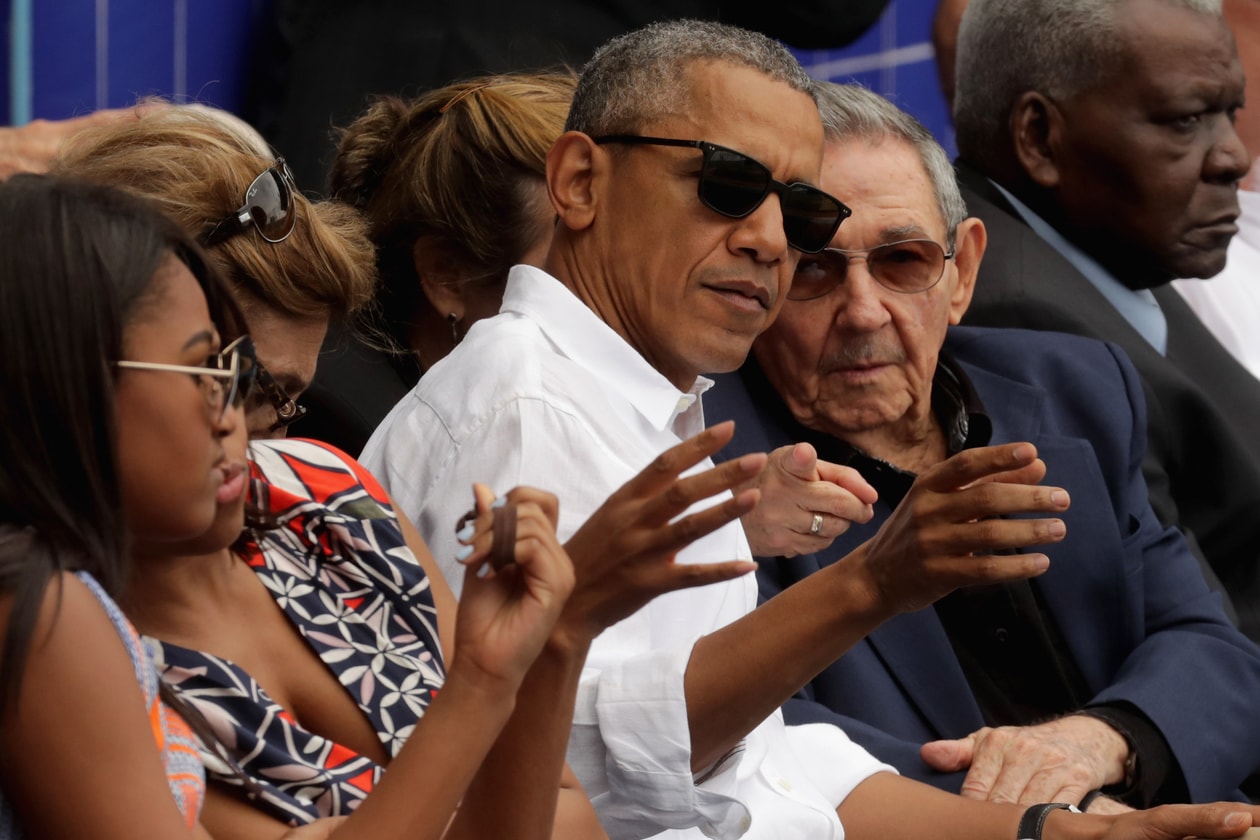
{"x": 853, "y": 112}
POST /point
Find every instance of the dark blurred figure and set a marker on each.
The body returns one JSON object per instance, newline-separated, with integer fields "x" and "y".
{"x": 321, "y": 59}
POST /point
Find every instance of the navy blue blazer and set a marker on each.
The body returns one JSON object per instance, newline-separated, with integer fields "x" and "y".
{"x": 1128, "y": 596}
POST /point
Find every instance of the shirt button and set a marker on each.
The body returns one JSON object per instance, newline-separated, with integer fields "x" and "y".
{"x": 1001, "y": 634}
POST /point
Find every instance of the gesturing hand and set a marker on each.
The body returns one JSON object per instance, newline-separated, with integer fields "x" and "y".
{"x": 505, "y": 616}
{"x": 795, "y": 487}
{"x": 624, "y": 554}
{"x": 1059, "y": 761}
{"x": 947, "y": 531}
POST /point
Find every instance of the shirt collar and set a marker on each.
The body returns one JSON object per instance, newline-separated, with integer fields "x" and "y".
{"x": 1137, "y": 306}
{"x": 583, "y": 337}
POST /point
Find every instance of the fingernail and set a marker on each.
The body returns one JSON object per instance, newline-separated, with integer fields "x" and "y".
{"x": 485, "y": 571}
{"x": 1059, "y": 497}
{"x": 464, "y": 533}
{"x": 1057, "y": 528}
{"x": 499, "y": 502}
{"x": 463, "y": 552}
{"x": 1237, "y": 819}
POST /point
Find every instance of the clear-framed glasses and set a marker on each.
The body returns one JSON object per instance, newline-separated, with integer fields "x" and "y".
{"x": 269, "y": 207}
{"x": 734, "y": 185}
{"x": 288, "y": 411}
{"x": 905, "y": 267}
{"x": 226, "y": 379}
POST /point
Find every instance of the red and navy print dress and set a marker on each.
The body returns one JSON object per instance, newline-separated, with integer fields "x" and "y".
{"x": 339, "y": 568}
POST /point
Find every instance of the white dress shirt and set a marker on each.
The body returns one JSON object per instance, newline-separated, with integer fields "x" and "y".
{"x": 547, "y": 394}
{"x": 1229, "y": 303}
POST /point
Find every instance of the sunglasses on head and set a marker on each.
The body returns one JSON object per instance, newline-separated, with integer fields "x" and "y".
{"x": 269, "y": 207}
{"x": 734, "y": 184}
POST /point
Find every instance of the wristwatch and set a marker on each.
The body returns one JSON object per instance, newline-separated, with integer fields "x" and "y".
{"x": 1035, "y": 818}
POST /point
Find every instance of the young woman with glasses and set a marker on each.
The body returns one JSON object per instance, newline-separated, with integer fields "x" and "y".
{"x": 117, "y": 400}
{"x": 293, "y": 265}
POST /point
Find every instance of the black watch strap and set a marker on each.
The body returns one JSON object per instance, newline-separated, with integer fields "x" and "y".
{"x": 1035, "y": 818}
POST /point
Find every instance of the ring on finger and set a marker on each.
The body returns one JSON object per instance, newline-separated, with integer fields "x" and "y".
{"x": 815, "y": 527}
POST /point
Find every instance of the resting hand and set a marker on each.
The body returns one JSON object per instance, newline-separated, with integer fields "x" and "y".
{"x": 1059, "y": 761}
{"x": 795, "y": 486}
{"x": 1167, "y": 822}
{"x": 506, "y": 614}
{"x": 624, "y": 554}
{"x": 947, "y": 533}
{"x": 32, "y": 147}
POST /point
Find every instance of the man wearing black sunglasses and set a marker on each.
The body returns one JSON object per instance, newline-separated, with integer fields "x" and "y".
{"x": 864, "y": 363}
{"x": 675, "y": 246}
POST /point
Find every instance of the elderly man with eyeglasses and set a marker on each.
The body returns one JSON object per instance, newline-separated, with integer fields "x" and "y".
{"x": 1115, "y": 671}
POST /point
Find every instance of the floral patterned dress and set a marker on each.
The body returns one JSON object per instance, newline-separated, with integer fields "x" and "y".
{"x": 339, "y": 568}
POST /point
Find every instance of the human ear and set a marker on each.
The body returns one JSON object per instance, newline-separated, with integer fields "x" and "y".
{"x": 969, "y": 244}
{"x": 439, "y": 277}
{"x": 573, "y": 167}
{"x": 1035, "y": 127}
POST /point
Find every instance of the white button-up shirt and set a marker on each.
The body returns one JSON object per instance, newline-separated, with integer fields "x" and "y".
{"x": 547, "y": 394}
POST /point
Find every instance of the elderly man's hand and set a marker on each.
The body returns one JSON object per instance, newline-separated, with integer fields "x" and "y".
{"x": 1059, "y": 761}
{"x": 795, "y": 487}
{"x": 950, "y": 530}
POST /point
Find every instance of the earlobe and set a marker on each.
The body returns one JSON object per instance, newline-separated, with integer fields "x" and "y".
{"x": 1035, "y": 126}
{"x": 573, "y": 165}
{"x": 969, "y": 243}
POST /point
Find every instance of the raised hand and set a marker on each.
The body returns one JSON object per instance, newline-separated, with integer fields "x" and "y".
{"x": 1058, "y": 761}
{"x": 795, "y": 487}
{"x": 506, "y": 615}
{"x": 948, "y": 531}
{"x": 624, "y": 554}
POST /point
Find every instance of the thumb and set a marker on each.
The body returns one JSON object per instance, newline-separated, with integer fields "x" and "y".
{"x": 800, "y": 461}
{"x": 948, "y": 756}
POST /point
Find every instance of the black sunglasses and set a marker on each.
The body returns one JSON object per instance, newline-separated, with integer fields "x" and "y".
{"x": 269, "y": 207}
{"x": 733, "y": 184}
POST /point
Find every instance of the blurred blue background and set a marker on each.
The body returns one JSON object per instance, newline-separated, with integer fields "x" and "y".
{"x": 69, "y": 57}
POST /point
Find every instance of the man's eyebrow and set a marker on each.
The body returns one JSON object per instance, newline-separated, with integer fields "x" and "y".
{"x": 909, "y": 231}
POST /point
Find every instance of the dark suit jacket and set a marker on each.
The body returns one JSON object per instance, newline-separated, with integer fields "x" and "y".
{"x": 1203, "y": 407}
{"x": 1125, "y": 592}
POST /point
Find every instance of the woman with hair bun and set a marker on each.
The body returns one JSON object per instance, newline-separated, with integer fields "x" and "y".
{"x": 451, "y": 184}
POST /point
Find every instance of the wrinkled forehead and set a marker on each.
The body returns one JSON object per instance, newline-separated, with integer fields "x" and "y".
{"x": 884, "y": 181}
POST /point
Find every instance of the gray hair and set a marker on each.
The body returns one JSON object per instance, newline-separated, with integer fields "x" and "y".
{"x": 1009, "y": 47}
{"x": 641, "y": 75}
{"x": 853, "y": 112}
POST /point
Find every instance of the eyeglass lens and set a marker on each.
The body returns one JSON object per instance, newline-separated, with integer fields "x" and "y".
{"x": 287, "y": 409}
{"x": 907, "y": 267}
{"x": 734, "y": 185}
{"x": 238, "y": 357}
